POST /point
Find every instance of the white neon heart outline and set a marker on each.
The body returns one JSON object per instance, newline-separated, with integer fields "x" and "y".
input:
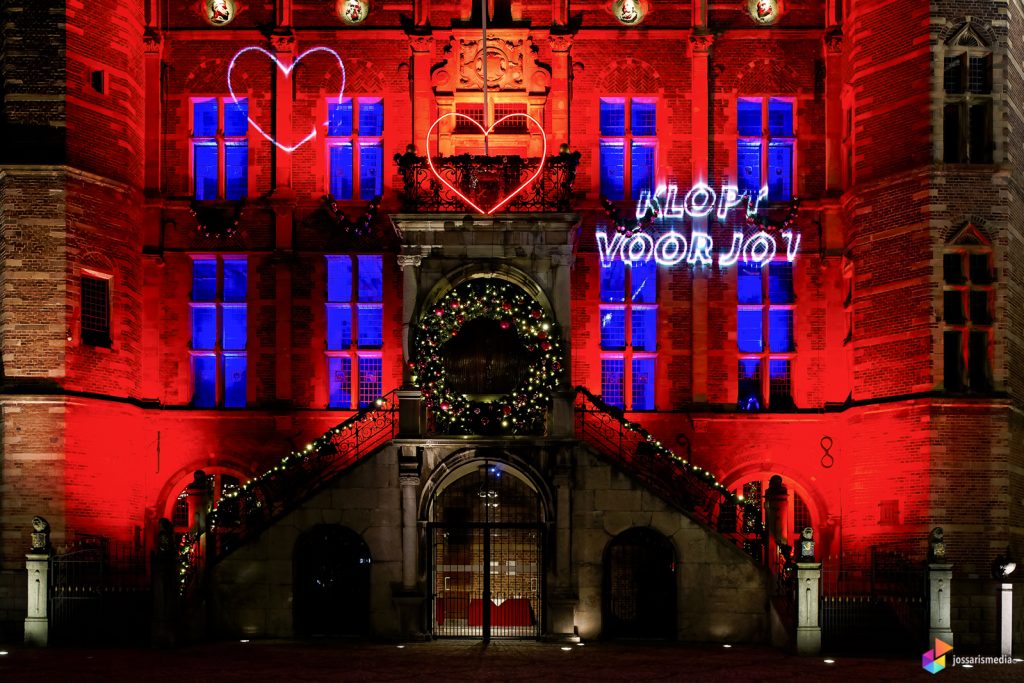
{"x": 287, "y": 72}
{"x": 506, "y": 200}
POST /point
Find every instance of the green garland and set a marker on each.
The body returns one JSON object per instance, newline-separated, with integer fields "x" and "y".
{"x": 523, "y": 410}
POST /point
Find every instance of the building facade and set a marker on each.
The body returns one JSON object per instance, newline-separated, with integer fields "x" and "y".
{"x": 637, "y": 258}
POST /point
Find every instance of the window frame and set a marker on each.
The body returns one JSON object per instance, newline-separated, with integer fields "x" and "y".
{"x": 356, "y": 139}
{"x": 966, "y": 100}
{"x": 627, "y": 353}
{"x": 627, "y": 139}
{"x": 766, "y": 355}
{"x": 93, "y": 337}
{"x": 218, "y": 352}
{"x": 765, "y": 139}
{"x": 355, "y": 351}
{"x": 222, "y": 141}
{"x": 967, "y": 327}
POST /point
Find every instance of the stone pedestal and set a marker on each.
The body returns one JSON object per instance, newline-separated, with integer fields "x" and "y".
{"x": 562, "y": 617}
{"x": 410, "y": 614}
{"x": 1006, "y": 619}
{"x": 37, "y": 622}
{"x": 808, "y": 588}
{"x": 411, "y": 421}
{"x": 940, "y": 580}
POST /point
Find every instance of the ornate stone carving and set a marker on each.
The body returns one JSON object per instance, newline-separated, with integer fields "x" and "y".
{"x": 413, "y": 260}
{"x": 702, "y": 42}
{"x": 421, "y": 44}
{"x": 40, "y": 535}
{"x": 560, "y": 43}
{"x": 283, "y": 41}
{"x": 505, "y": 63}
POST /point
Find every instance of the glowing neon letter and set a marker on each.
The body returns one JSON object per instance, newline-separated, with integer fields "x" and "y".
{"x": 639, "y": 248}
{"x": 649, "y": 202}
{"x": 608, "y": 253}
{"x": 700, "y": 248}
{"x": 761, "y": 195}
{"x": 700, "y": 200}
{"x": 792, "y": 245}
{"x": 726, "y": 260}
{"x": 729, "y": 199}
{"x": 670, "y": 249}
{"x": 760, "y": 248}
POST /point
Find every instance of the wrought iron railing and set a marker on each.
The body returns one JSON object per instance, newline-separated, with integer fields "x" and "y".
{"x": 486, "y": 181}
{"x": 681, "y": 483}
{"x": 243, "y": 515}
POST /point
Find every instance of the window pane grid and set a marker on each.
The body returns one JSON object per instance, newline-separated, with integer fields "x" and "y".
{"x": 355, "y": 320}
{"x": 219, "y": 321}
{"x": 354, "y": 148}
{"x": 95, "y": 310}
{"x": 765, "y": 313}
{"x": 220, "y": 149}
{"x": 613, "y": 372}
{"x": 369, "y": 379}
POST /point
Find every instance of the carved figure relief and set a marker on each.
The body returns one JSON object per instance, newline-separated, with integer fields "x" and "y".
{"x": 220, "y": 12}
{"x": 353, "y": 11}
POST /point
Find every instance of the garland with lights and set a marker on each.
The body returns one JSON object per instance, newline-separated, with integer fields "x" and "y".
{"x": 656, "y": 446}
{"x": 217, "y": 220}
{"x": 523, "y": 410}
{"x": 627, "y": 227}
{"x": 359, "y": 227}
{"x": 768, "y": 225}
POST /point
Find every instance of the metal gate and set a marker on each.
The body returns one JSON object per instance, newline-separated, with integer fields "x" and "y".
{"x": 503, "y": 602}
{"x": 874, "y": 604}
{"x": 99, "y": 594}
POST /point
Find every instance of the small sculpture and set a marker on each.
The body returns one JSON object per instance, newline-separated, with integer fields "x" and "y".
{"x": 936, "y": 546}
{"x": 40, "y": 535}
{"x": 806, "y": 545}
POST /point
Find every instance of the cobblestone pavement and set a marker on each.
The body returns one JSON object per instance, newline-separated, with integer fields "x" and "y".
{"x": 518, "y": 662}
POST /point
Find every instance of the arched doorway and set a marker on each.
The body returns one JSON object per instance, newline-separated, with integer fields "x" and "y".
{"x": 331, "y": 589}
{"x": 486, "y": 539}
{"x": 639, "y": 586}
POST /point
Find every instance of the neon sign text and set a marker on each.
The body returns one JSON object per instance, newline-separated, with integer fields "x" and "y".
{"x": 698, "y": 202}
{"x": 672, "y": 248}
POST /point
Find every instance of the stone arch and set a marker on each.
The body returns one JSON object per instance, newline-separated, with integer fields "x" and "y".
{"x": 463, "y": 461}
{"x": 499, "y": 271}
{"x": 972, "y": 230}
{"x": 768, "y": 75}
{"x": 633, "y": 76}
{"x": 955, "y": 31}
{"x": 183, "y": 476}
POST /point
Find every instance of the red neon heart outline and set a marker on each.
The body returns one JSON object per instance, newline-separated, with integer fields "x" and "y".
{"x": 506, "y": 200}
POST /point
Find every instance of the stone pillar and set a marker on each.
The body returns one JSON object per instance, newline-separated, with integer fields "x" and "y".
{"x": 283, "y": 44}
{"x": 165, "y": 585}
{"x": 408, "y": 597}
{"x": 197, "y": 497}
{"x": 776, "y": 500}
{"x": 562, "y": 414}
{"x": 422, "y": 57}
{"x": 561, "y": 77}
{"x": 700, "y": 49}
{"x": 1005, "y": 619}
{"x": 833, "y": 48}
{"x": 562, "y": 602}
{"x": 808, "y": 588}
{"x": 411, "y": 418}
{"x": 37, "y": 621}
{"x": 152, "y": 67}
{"x": 940, "y": 580}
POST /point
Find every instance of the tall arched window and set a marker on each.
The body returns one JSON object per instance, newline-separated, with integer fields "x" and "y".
{"x": 967, "y": 104}
{"x": 968, "y": 295}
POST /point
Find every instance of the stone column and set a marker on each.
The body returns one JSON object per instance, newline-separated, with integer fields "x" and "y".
{"x": 562, "y": 414}
{"x": 940, "y": 580}
{"x": 700, "y": 49}
{"x": 776, "y": 500}
{"x": 410, "y": 486}
{"x": 561, "y": 76}
{"x": 411, "y": 420}
{"x": 37, "y": 621}
{"x": 1005, "y": 619}
{"x": 408, "y": 597}
{"x": 422, "y": 55}
{"x": 808, "y": 627}
{"x": 283, "y": 44}
{"x": 562, "y": 602}
{"x": 833, "y": 48}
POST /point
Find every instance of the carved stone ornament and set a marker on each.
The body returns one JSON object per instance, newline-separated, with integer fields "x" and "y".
{"x": 40, "y": 535}
{"x": 353, "y": 11}
{"x": 505, "y": 63}
{"x": 629, "y": 12}
{"x": 764, "y": 12}
{"x": 219, "y": 12}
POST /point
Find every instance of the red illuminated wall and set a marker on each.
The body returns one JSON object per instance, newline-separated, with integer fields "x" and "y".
{"x": 113, "y": 441}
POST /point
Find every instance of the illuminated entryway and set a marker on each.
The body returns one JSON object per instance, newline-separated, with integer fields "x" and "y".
{"x": 486, "y": 537}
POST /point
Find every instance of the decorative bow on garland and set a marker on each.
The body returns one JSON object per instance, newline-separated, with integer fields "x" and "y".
{"x": 217, "y": 220}
{"x": 770, "y": 226}
{"x": 627, "y": 227}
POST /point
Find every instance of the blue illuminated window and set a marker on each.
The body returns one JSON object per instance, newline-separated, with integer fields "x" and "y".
{"x": 765, "y": 147}
{"x": 234, "y": 380}
{"x": 629, "y": 327}
{"x": 355, "y": 320}
{"x": 339, "y": 373}
{"x": 220, "y": 149}
{"x": 643, "y": 384}
{"x": 219, "y": 325}
{"x": 370, "y": 380}
{"x": 355, "y": 153}
{"x": 612, "y": 170}
{"x": 612, "y": 381}
{"x": 765, "y": 335}
{"x": 204, "y": 380}
{"x": 628, "y": 152}
{"x": 613, "y": 117}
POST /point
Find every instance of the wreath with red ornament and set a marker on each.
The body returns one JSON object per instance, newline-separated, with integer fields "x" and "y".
{"x": 522, "y": 410}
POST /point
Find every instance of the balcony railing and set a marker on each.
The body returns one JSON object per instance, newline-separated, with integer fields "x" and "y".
{"x": 487, "y": 181}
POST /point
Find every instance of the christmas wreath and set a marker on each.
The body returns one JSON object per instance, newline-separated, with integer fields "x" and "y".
{"x": 521, "y": 411}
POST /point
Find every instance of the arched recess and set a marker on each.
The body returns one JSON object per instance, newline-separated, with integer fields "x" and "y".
{"x": 807, "y": 507}
{"x": 331, "y": 582}
{"x": 639, "y": 586}
{"x": 486, "y": 547}
{"x": 222, "y": 478}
